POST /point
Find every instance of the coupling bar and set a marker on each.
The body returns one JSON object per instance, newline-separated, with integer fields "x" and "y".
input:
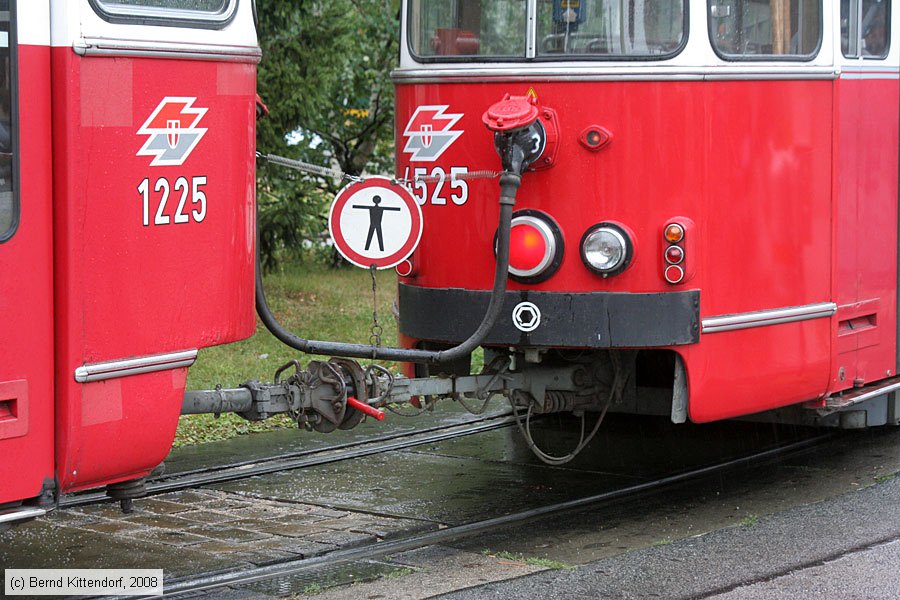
{"x": 216, "y": 401}
{"x": 328, "y": 391}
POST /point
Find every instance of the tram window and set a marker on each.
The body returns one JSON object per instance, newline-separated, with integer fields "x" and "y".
{"x": 8, "y": 202}
{"x": 765, "y": 29}
{"x": 454, "y": 28}
{"x": 865, "y": 28}
{"x": 211, "y": 13}
{"x": 610, "y": 28}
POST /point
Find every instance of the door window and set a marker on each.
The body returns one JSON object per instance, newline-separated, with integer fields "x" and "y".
{"x": 9, "y": 206}
{"x": 865, "y": 28}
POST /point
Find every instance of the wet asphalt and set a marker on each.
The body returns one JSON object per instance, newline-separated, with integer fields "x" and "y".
{"x": 296, "y": 514}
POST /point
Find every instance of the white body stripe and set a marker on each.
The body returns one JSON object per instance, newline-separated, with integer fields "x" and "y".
{"x": 876, "y": 71}
{"x": 33, "y": 22}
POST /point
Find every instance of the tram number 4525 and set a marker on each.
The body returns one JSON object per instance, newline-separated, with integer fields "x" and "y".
{"x": 458, "y": 192}
{"x": 184, "y": 212}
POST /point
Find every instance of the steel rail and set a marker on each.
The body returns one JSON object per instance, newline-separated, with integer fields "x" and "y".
{"x": 194, "y": 585}
{"x": 304, "y": 459}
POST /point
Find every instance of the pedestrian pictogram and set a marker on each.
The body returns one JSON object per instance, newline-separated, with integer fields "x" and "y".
{"x": 375, "y": 213}
{"x": 375, "y": 222}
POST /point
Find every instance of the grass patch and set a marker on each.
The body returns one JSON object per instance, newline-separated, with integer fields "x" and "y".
{"x": 749, "y": 521}
{"x": 312, "y": 589}
{"x": 314, "y": 302}
{"x": 529, "y": 560}
{"x": 397, "y": 573}
{"x": 883, "y": 478}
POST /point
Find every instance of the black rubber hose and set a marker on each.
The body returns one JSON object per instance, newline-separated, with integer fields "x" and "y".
{"x": 509, "y": 185}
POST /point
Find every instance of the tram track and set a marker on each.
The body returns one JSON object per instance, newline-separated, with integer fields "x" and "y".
{"x": 207, "y": 583}
{"x": 299, "y": 460}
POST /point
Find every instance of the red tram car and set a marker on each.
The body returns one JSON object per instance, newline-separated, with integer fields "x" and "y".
{"x": 127, "y": 131}
{"x": 710, "y": 214}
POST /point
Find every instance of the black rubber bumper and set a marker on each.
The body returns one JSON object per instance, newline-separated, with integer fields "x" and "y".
{"x": 585, "y": 320}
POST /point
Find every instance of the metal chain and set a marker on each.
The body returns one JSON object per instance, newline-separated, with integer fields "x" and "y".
{"x": 377, "y": 330}
{"x": 299, "y": 165}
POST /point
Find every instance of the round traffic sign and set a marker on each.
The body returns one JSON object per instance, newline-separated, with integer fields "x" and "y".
{"x": 375, "y": 223}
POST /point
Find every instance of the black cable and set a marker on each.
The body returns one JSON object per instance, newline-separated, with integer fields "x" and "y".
{"x": 509, "y": 185}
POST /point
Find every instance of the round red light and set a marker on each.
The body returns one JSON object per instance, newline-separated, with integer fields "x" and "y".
{"x": 405, "y": 269}
{"x": 527, "y": 247}
{"x": 674, "y": 274}
{"x": 674, "y": 255}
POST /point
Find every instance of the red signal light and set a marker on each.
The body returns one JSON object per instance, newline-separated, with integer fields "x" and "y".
{"x": 527, "y": 247}
{"x": 535, "y": 246}
{"x": 674, "y": 255}
{"x": 674, "y": 274}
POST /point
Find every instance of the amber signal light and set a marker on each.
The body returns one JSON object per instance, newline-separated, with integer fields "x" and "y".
{"x": 674, "y": 233}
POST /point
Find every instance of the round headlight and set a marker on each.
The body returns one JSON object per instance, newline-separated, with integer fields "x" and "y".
{"x": 606, "y": 249}
{"x": 535, "y": 246}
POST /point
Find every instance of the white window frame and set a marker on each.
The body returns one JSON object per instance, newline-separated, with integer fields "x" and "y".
{"x": 110, "y": 10}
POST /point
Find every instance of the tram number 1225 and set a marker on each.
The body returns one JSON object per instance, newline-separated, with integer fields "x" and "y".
{"x": 183, "y": 213}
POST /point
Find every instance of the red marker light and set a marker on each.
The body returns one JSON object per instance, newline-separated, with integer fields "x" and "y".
{"x": 406, "y": 269}
{"x": 674, "y": 255}
{"x": 674, "y": 274}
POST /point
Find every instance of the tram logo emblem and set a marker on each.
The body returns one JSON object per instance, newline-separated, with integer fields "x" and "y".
{"x": 430, "y": 132}
{"x": 173, "y": 130}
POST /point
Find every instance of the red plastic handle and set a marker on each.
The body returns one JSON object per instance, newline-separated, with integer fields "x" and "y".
{"x": 365, "y": 408}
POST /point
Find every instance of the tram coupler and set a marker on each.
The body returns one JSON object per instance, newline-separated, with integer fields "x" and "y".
{"x": 340, "y": 393}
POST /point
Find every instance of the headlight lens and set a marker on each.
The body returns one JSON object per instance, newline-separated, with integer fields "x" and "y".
{"x": 535, "y": 246}
{"x": 606, "y": 249}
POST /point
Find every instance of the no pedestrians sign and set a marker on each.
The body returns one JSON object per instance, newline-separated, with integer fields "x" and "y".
{"x": 375, "y": 223}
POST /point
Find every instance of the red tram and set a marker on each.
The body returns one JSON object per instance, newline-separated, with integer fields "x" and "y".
{"x": 127, "y": 131}
{"x": 710, "y": 211}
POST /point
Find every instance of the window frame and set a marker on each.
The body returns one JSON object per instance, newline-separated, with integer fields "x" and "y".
{"x": 530, "y": 37}
{"x": 855, "y": 26}
{"x": 758, "y": 58}
{"x": 464, "y": 58}
{"x": 165, "y": 17}
{"x": 15, "y": 168}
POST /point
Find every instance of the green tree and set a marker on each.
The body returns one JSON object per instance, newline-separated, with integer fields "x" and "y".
{"x": 325, "y": 76}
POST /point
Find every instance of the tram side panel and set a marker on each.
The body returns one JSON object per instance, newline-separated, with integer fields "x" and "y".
{"x": 154, "y": 243}
{"x": 865, "y": 189}
{"x": 749, "y": 162}
{"x": 766, "y": 245}
{"x": 26, "y": 309}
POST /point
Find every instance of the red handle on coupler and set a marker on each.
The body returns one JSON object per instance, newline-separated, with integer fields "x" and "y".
{"x": 365, "y": 408}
